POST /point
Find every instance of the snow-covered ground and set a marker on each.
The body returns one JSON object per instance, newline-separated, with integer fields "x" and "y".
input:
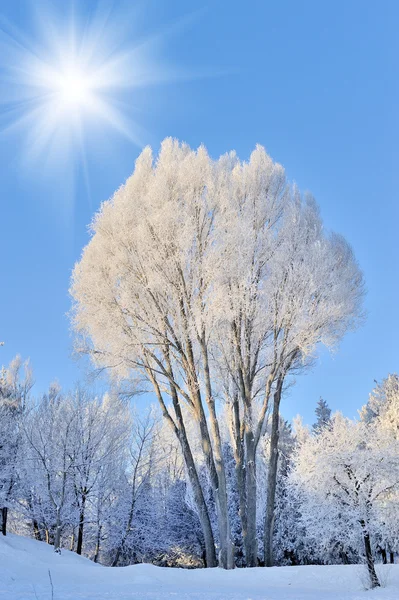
{"x": 25, "y": 565}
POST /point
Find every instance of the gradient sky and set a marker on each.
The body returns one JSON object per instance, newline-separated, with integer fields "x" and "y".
{"x": 316, "y": 83}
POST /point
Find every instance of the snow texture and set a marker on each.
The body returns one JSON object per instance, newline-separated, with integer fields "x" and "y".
{"x": 25, "y": 565}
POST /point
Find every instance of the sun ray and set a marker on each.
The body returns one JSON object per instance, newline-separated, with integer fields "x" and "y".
{"x": 77, "y": 78}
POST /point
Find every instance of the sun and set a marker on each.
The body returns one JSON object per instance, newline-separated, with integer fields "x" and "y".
{"x": 73, "y": 89}
{"x": 71, "y": 80}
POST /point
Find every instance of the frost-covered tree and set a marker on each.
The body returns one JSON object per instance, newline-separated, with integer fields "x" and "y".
{"x": 347, "y": 476}
{"x": 73, "y": 454}
{"x": 383, "y": 404}
{"x": 382, "y": 410}
{"x": 52, "y": 446}
{"x": 140, "y": 462}
{"x": 15, "y": 385}
{"x": 101, "y": 529}
{"x": 214, "y": 280}
{"x": 102, "y": 426}
{"x": 323, "y": 414}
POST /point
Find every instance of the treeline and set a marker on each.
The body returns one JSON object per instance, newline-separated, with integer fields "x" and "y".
{"x": 92, "y": 475}
{"x": 95, "y": 476}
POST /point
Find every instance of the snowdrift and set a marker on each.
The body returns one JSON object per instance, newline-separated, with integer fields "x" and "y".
{"x": 25, "y": 565}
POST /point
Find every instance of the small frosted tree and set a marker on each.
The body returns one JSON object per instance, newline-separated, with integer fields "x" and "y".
{"x": 383, "y": 405}
{"x": 51, "y": 447}
{"x": 140, "y": 462}
{"x": 101, "y": 428}
{"x": 323, "y": 414}
{"x": 382, "y": 410}
{"x": 15, "y": 384}
{"x": 347, "y": 476}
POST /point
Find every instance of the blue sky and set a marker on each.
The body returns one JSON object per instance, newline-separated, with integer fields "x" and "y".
{"x": 315, "y": 82}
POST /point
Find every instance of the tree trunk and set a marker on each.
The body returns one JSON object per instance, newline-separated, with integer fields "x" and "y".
{"x": 36, "y": 530}
{"x": 226, "y": 554}
{"x": 98, "y": 541}
{"x": 218, "y": 483}
{"x": 272, "y": 477}
{"x": 344, "y": 557}
{"x": 210, "y": 553}
{"x": 57, "y": 537}
{"x": 369, "y": 558}
{"x": 127, "y": 529}
{"x": 383, "y": 556}
{"x": 214, "y": 457}
{"x": 117, "y": 555}
{"x": 203, "y": 514}
{"x": 251, "y": 546}
{"x": 4, "y": 516}
{"x": 211, "y": 560}
{"x": 226, "y": 558}
{"x": 181, "y": 434}
{"x": 391, "y": 558}
{"x": 240, "y": 475}
{"x": 245, "y": 468}
{"x": 81, "y": 525}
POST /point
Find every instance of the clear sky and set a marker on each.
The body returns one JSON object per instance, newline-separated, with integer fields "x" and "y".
{"x": 316, "y": 83}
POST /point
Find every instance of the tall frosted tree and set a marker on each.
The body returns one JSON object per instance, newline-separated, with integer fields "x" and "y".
{"x": 214, "y": 279}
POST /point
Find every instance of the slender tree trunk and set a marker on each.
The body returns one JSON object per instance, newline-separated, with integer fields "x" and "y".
{"x": 98, "y": 542}
{"x": 214, "y": 454}
{"x": 369, "y": 558}
{"x": 203, "y": 513}
{"x": 116, "y": 557}
{"x": 226, "y": 559}
{"x": 181, "y": 434}
{"x": 249, "y": 440}
{"x": 344, "y": 557}
{"x": 251, "y": 546}
{"x": 391, "y": 558}
{"x": 272, "y": 477}
{"x": 127, "y": 529}
{"x": 238, "y": 447}
{"x": 36, "y": 530}
{"x": 219, "y": 488}
{"x": 57, "y": 537}
{"x": 81, "y": 525}
{"x": 5, "y": 508}
{"x": 4, "y": 516}
{"x": 210, "y": 554}
{"x": 384, "y": 556}
{"x": 245, "y": 468}
{"x": 240, "y": 475}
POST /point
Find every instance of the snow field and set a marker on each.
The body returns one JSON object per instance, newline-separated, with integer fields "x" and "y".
{"x": 25, "y": 566}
